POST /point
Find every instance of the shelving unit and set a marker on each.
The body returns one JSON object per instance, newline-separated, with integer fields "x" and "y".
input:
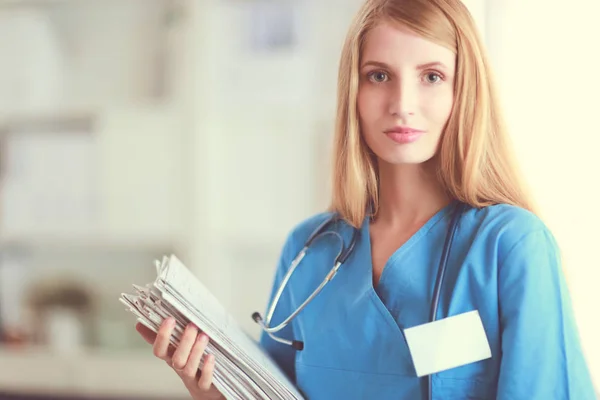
{"x": 109, "y": 73}
{"x": 137, "y": 195}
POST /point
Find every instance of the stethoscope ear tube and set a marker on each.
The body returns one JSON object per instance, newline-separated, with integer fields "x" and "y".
{"x": 440, "y": 278}
{"x": 443, "y": 263}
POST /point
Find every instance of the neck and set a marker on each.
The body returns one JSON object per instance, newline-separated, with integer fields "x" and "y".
{"x": 408, "y": 195}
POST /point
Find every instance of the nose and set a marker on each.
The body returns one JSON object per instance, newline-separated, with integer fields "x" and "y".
{"x": 403, "y": 99}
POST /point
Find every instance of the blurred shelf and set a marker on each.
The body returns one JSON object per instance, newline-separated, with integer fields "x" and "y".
{"x": 28, "y": 2}
{"x": 88, "y": 241}
{"x": 90, "y": 373}
{"x": 60, "y": 118}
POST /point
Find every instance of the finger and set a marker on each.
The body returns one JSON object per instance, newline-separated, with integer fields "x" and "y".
{"x": 170, "y": 353}
{"x": 206, "y": 378}
{"x": 161, "y": 344}
{"x": 193, "y": 365}
{"x": 148, "y": 334}
{"x": 180, "y": 357}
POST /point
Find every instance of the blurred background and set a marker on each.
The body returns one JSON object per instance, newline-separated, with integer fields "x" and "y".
{"x": 131, "y": 129}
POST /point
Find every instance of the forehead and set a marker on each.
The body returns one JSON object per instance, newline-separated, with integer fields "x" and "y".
{"x": 394, "y": 45}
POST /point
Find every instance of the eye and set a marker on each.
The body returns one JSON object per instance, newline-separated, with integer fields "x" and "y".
{"x": 433, "y": 77}
{"x": 377, "y": 76}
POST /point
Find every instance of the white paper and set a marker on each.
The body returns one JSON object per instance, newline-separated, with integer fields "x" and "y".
{"x": 242, "y": 369}
{"x": 447, "y": 343}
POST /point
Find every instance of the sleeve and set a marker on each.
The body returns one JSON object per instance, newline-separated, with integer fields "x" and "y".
{"x": 541, "y": 354}
{"x": 282, "y": 354}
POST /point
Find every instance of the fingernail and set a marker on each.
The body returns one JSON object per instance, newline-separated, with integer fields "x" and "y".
{"x": 203, "y": 339}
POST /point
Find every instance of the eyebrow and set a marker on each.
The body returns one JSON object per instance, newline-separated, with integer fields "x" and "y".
{"x": 421, "y": 66}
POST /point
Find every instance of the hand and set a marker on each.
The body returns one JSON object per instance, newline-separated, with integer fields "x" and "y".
{"x": 185, "y": 360}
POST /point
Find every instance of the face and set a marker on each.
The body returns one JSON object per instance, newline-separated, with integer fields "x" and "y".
{"x": 405, "y": 94}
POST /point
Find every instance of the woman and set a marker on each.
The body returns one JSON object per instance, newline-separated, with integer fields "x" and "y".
{"x": 419, "y": 135}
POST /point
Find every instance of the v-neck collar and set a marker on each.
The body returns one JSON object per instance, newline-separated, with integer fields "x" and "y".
{"x": 365, "y": 243}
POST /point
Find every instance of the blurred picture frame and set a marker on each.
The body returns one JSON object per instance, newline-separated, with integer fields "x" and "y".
{"x": 270, "y": 26}
{"x": 47, "y": 173}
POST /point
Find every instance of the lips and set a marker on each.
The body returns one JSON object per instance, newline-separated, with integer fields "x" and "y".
{"x": 403, "y": 130}
{"x": 403, "y": 135}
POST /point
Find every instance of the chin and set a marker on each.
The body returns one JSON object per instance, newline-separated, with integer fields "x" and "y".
{"x": 405, "y": 158}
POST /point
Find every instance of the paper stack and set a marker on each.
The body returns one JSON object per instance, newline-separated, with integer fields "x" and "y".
{"x": 242, "y": 369}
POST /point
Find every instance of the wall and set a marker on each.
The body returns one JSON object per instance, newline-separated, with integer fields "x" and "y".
{"x": 543, "y": 67}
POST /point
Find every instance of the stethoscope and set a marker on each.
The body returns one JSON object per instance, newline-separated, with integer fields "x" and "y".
{"x": 341, "y": 257}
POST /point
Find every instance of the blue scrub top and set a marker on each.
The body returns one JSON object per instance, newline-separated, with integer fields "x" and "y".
{"x": 504, "y": 263}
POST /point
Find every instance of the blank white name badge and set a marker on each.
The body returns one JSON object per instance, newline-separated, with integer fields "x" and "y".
{"x": 448, "y": 343}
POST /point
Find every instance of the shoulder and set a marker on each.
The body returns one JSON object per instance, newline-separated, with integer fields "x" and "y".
{"x": 505, "y": 218}
{"x": 510, "y": 229}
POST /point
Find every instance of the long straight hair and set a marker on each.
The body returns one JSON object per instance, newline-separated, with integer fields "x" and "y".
{"x": 475, "y": 163}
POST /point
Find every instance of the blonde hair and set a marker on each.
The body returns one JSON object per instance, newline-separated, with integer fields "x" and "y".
{"x": 474, "y": 161}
